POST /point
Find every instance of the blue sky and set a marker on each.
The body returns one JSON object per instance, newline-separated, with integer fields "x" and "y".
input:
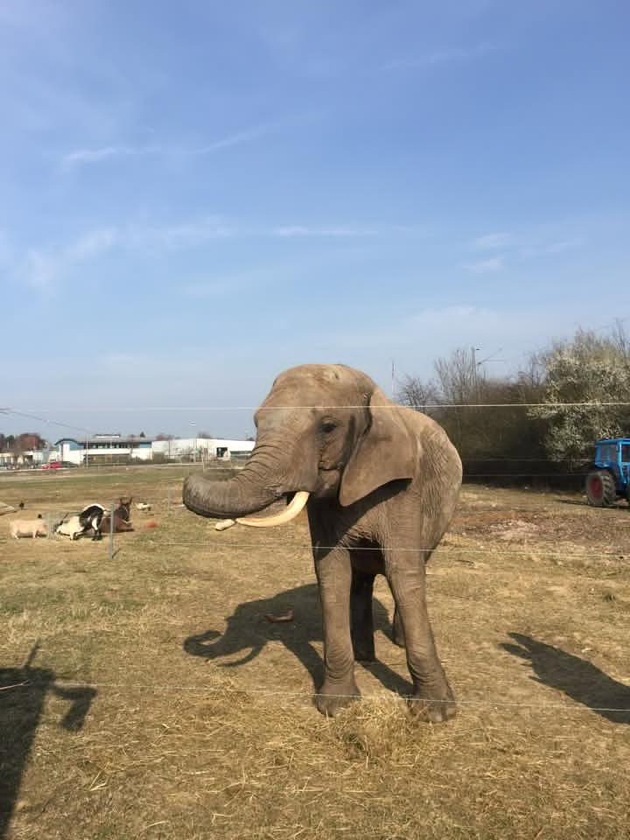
{"x": 197, "y": 195}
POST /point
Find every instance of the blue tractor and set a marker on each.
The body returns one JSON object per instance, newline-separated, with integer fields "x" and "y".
{"x": 609, "y": 478}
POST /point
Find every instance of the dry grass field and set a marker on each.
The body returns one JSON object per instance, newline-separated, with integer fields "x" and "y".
{"x": 150, "y": 696}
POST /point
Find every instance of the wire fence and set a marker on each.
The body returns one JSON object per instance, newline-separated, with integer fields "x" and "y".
{"x": 465, "y": 553}
{"x": 310, "y": 697}
{"x": 446, "y": 551}
{"x": 39, "y": 414}
{"x": 307, "y": 407}
{"x": 493, "y": 536}
{"x": 499, "y": 469}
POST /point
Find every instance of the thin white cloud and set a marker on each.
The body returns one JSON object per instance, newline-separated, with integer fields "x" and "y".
{"x": 562, "y": 246}
{"x": 416, "y": 340}
{"x": 179, "y": 235}
{"x": 92, "y": 243}
{"x": 81, "y": 157}
{"x": 449, "y": 55}
{"x": 516, "y": 249}
{"x": 302, "y": 231}
{"x": 492, "y": 241}
{"x": 240, "y": 137}
{"x": 43, "y": 268}
{"x": 558, "y": 247}
{"x": 87, "y": 156}
{"x": 433, "y": 327}
{"x": 489, "y": 266}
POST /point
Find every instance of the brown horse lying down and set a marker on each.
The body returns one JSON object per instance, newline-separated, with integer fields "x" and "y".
{"x": 122, "y": 519}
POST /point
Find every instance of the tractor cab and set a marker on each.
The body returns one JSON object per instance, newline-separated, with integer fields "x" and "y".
{"x": 609, "y": 478}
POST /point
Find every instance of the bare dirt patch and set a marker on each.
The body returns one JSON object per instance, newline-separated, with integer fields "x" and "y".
{"x": 162, "y": 703}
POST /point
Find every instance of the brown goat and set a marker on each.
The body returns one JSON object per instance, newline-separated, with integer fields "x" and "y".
{"x": 122, "y": 519}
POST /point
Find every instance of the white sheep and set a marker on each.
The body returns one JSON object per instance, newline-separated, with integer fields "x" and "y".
{"x": 28, "y": 528}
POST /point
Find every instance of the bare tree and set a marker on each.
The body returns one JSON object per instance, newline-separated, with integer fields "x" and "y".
{"x": 415, "y": 393}
{"x": 459, "y": 377}
{"x": 476, "y": 410}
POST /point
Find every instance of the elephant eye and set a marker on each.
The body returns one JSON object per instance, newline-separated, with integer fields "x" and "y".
{"x": 328, "y": 426}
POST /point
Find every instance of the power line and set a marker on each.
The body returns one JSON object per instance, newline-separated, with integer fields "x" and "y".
{"x": 425, "y": 407}
{"x": 30, "y": 416}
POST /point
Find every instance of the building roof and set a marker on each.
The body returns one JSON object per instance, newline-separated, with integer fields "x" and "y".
{"x": 129, "y": 440}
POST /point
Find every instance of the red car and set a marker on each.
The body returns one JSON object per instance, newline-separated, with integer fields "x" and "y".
{"x": 52, "y": 465}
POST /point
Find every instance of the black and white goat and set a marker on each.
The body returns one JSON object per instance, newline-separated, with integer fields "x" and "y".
{"x": 90, "y": 520}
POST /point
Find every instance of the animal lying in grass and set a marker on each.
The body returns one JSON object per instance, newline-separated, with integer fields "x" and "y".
{"x": 143, "y": 506}
{"x": 85, "y": 523}
{"x": 94, "y": 521}
{"x": 91, "y": 518}
{"x": 28, "y": 528}
{"x": 70, "y": 527}
{"x": 122, "y": 519}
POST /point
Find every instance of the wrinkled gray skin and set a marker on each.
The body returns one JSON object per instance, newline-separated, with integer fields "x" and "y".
{"x": 384, "y": 482}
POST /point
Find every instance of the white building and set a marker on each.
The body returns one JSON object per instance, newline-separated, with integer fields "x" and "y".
{"x": 197, "y": 449}
{"x": 29, "y": 458}
{"x": 116, "y": 448}
{"x": 106, "y": 448}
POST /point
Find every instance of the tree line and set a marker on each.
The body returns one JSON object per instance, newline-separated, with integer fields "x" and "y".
{"x": 541, "y": 422}
{"x": 25, "y": 442}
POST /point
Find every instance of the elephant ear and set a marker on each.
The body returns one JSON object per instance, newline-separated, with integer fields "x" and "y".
{"x": 386, "y": 452}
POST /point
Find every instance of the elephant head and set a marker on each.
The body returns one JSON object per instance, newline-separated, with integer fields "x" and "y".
{"x": 325, "y": 431}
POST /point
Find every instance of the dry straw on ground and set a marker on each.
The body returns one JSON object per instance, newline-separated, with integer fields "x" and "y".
{"x": 162, "y": 703}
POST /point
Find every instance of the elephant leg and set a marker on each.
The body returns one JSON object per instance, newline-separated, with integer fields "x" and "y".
{"x": 432, "y": 698}
{"x": 362, "y": 616}
{"x": 334, "y": 577}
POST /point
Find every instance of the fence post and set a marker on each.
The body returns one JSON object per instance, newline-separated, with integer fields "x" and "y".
{"x": 111, "y": 532}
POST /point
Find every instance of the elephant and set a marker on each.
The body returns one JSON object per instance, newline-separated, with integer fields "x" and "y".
{"x": 380, "y": 483}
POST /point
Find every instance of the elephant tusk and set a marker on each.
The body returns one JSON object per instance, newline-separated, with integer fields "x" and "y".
{"x": 224, "y": 524}
{"x": 289, "y": 513}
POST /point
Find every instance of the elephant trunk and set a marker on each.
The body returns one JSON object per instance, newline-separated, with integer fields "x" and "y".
{"x": 250, "y": 491}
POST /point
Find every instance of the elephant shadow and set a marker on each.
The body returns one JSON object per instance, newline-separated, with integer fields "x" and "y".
{"x": 251, "y": 627}
{"x": 23, "y": 692}
{"x": 574, "y": 676}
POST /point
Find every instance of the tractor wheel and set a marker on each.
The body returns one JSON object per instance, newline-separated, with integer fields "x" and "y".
{"x": 600, "y": 489}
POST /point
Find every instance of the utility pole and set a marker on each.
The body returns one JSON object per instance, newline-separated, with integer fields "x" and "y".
{"x": 194, "y": 427}
{"x": 475, "y": 379}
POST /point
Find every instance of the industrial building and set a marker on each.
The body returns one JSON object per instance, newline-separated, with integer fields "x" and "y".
{"x": 117, "y": 448}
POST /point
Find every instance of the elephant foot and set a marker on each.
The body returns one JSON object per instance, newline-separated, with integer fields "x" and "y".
{"x": 333, "y": 697}
{"x": 434, "y": 709}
